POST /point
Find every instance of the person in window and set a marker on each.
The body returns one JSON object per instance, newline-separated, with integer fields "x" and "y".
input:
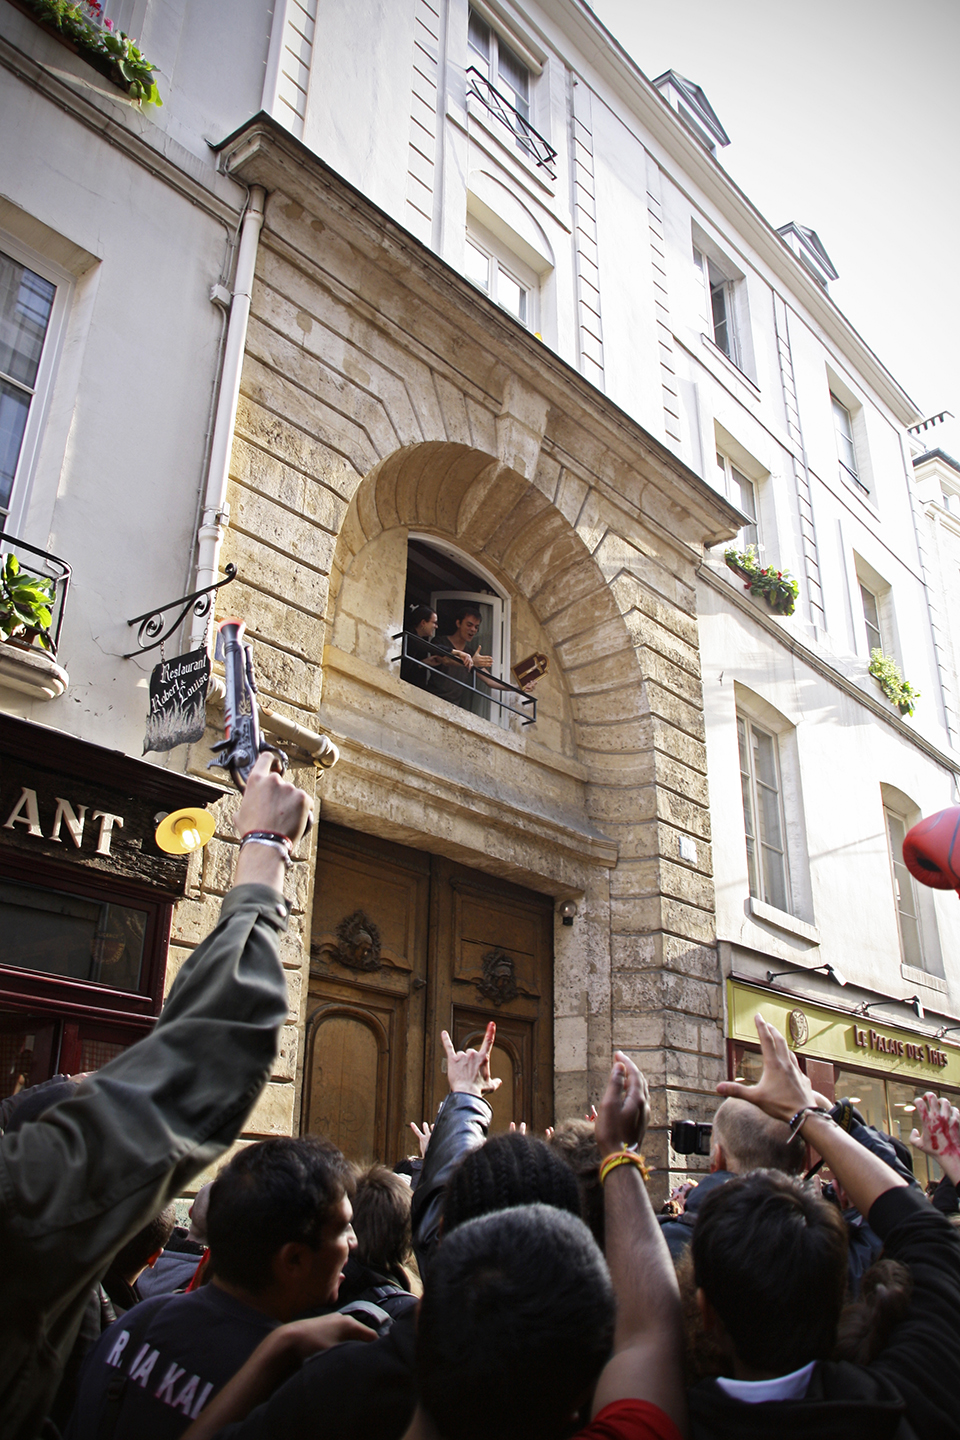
{"x": 463, "y": 662}
{"x": 422, "y": 622}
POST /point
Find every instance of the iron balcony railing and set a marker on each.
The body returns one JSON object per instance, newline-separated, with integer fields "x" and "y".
{"x": 499, "y": 106}
{"x": 52, "y": 568}
{"x": 488, "y": 692}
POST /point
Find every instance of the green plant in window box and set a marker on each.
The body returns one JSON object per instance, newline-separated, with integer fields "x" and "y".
{"x": 83, "y": 26}
{"x": 887, "y": 674}
{"x": 777, "y": 587}
{"x": 26, "y": 605}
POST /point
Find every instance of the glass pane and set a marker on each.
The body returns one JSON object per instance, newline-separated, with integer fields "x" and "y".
{"x": 869, "y": 1095}
{"x": 902, "y": 1102}
{"x": 871, "y": 618}
{"x": 745, "y": 496}
{"x": 71, "y": 935}
{"x": 477, "y": 267}
{"x": 844, "y": 428}
{"x": 14, "y": 408}
{"x": 768, "y": 807}
{"x": 746, "y": 790}
{"x": 511, "y": 296}
{"x": 906, "y": 896}
{"x": 478, "y": 35}
{"x": 26, "y": 300}
{"x": 515, "y": 76}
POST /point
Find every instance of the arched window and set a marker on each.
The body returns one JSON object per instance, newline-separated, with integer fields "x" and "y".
{"x": 441, "y": 577}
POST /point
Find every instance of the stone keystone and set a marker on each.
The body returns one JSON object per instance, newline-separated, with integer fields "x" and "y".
{"x": 520, "y": 427}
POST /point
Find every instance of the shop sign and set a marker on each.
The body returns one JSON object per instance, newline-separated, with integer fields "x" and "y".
{"x": 870, "y": 1039}
{"x": 68, "y": 819}
{"x": 826, "y": 1034}
{"x": 178, "y": 693}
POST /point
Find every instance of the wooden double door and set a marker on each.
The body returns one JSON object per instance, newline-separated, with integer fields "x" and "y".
{"x": 405, "y": 944}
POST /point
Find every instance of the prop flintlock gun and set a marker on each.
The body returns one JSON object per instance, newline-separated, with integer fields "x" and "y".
{"x": 243, "y": 744}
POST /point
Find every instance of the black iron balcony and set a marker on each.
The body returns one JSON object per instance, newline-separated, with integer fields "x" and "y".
{"x": 46, "y": 567}
{"x": 491, "y": 693}
{"x": 500, "y": 107}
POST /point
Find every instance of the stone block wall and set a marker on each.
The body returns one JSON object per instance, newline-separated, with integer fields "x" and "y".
{"x": 380, "y": 394}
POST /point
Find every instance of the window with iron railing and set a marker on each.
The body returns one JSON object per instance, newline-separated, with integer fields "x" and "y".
{"x": 500, "y": 80}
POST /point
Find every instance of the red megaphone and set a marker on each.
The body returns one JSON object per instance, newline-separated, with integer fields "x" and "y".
{"x": 931, "y": 850}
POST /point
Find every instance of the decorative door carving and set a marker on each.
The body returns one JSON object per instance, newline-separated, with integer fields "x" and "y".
{"x": 403, "y": 945}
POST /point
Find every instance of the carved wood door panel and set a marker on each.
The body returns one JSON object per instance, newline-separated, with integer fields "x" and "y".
{"x": 363, "y": 1075}
{"x": 491, "y": 958}
{"x": 404, "y": 945}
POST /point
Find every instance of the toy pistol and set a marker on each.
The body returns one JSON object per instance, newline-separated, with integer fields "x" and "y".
{"x": 243, "y": 744}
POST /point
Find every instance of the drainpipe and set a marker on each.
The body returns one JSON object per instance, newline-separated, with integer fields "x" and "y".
{"x": 215, "y": 513}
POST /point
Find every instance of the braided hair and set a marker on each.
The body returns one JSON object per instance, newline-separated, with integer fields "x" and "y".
{"x": 508, "y": 1170}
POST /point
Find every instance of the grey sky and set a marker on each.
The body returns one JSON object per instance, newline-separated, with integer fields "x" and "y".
{"x": 843, "y": 115}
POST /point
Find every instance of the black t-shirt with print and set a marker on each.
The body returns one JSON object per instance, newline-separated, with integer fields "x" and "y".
{"x": 176, "y": 1352}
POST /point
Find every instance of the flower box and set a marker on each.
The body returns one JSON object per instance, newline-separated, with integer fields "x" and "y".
{"x": 81, "y": 26}
{"x": 777, "y": 587}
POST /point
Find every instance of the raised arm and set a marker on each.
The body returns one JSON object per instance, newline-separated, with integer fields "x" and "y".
{"x": 76, "y": 1184}
{"x": 785, "y": 1092}
{"x": 939, "y": 1136}
{"x": 648, "y": 1342}
{"x": 462, "y": 1123}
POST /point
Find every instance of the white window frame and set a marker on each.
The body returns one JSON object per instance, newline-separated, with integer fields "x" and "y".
{"x": 502, "y": 260}
{"x": 870, "y": 584}
{"x": 846, "y": 442}
{"x": 719, "y": 285}
{"x": 25, "y": 472}
{"x": 734, "y": 481}
{"x": 522, "y": 104}
{"x": 762, "y": 887}
{"x": 905, "y": 898}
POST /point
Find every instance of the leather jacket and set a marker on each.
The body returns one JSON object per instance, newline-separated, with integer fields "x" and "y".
{"x": 461, "y": 1125}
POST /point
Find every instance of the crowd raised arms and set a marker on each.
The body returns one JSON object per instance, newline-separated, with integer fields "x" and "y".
{"x": 498, "y": 1286}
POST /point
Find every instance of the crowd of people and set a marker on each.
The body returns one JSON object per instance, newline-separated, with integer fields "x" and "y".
{"x": 501, "y": 1285}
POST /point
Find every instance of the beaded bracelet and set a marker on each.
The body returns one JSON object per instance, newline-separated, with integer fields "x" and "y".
{"x": 623, "y": 1157}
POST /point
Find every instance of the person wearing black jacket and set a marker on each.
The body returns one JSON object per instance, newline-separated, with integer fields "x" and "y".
{"x": 769, "y": 1263}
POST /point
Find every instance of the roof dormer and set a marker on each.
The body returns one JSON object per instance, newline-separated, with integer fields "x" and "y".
{"x": 694, "y": 109}
{"x": 807, "y": 247}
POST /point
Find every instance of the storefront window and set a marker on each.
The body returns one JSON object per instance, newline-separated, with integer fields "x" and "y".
{"x": 891, "y": 1106}
{"x": 71, "y": 935}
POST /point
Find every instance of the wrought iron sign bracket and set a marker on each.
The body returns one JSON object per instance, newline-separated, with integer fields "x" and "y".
{"x": 152, "y": 623}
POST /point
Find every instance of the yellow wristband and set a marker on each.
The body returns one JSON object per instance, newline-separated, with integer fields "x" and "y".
{"x": 623, "y": 1157}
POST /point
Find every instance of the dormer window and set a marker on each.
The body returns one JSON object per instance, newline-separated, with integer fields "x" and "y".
{"x": 693, "y": 108}
{"x": 808, "y": 248}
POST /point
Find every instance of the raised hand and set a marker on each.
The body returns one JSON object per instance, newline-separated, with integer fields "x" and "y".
{"x": 516, "y": 1129}
{"x": 624, "y": 1112}
{"x": 468, "y": 1071}
{"x": 939, "y": 1135}
{"x": 423, "y": 1136}
{"x": 272, "y": 803}
{"x": 782, "y": 1089}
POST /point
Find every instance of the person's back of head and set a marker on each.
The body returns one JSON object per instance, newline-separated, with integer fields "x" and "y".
{"x": 514, "y": 1327}
{"x": 770, "y": 1258}
{"x": 146, "y": 1245}
{"x": 745, "y": 1139}
{"x": 575, "y": 1142}
{"x": 381, "y": 1219}
{"x": 269, "y": 1195}
{"x": 508, "y": 1170}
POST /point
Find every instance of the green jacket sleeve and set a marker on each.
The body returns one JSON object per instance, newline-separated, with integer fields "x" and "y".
{"x": 78, "y": 1183}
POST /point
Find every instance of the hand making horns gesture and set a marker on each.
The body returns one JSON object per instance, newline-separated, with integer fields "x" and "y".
{"x": 468, "y": 1071}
